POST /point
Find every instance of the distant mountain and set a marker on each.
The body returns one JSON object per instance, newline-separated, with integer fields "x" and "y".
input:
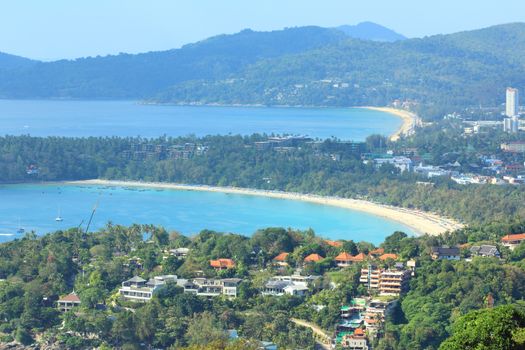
{"x": 128, "y": 76}
{"x": 370, "y": 31}
{"x": 296, "y": 66}
{"x": 8, "y": 62}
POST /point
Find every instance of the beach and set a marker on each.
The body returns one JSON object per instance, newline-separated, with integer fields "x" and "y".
{"x": 421, "y": 222}
{"x": 410, "y": 121}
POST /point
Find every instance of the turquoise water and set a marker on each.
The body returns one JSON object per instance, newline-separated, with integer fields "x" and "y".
{"x": 36, "y": 206}
{"x": 128, "y": 118}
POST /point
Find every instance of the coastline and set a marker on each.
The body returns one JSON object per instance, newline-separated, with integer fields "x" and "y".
{"x": 421, "y": 222}
{"x": 410, "y": 121}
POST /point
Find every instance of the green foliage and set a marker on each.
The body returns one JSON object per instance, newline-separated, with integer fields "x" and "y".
{"x": 501, "y": 328}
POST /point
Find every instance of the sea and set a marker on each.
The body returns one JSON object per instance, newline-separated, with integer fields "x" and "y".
{"x": 34, "y": 207}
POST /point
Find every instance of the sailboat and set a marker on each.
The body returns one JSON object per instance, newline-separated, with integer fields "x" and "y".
{"x": 20, "y": 228}
{"x": 59, "y": 218}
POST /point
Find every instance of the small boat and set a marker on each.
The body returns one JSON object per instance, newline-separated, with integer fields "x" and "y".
{"x": 20, "y": 228}
{"x": 59, "y": 218}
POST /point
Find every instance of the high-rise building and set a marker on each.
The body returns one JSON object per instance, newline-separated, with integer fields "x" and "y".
{"x": 512, "y": 103}
{"x": 511, "y": 125}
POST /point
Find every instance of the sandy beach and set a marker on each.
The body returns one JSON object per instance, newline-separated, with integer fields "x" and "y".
{"x": 410, "y": 120}
{"x": 421, "y": 222}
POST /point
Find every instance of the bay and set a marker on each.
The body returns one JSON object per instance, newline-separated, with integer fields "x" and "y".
{"x": 129, "y": 118}
{"x": 35, "y": 207}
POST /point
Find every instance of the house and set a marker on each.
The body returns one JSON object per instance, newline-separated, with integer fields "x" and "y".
{"x": 209, "y": 287}
{"x": 222, "y": 264}
{"x": 275, "y": 287}
{"x": 291, "y": 285}
{"x": 445, "y": 253}
{"x": 359, "y": 257}
{"x": 376, "y": 252}
{"x": 387, "y": 256}
{"x": 485, "y": 250}
{"x": 355, "y": 341}
{"x": 296, "y": 290}
{"x": 281, "y": 259}
{"x": 179, "y": 253}
{"x": 512, "y": 241}
{"x": 139, "y": 290}
{"x": 68, "y": 302}
{"x": 334, "y": 244}
{"x": 344, "y": 259}
{"x": 313, "y": 258}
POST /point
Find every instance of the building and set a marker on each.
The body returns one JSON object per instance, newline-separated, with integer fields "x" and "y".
{"x": 211, "y": 287}
{"x": 514, "y": 147}
{"x": 388, "y": 256}
{"x": 387, "y": 281}
{"x": 511, "y": 124}
{"x": 512, "y": 102}
{"x": 180, "y": 253}
{"x": 68, "y": 302}
{"x": 401, "y": 163}
{"x": 485, "y": 250}
{"x": 445, "y": 253}
{"x": 313, "y": 258}
{"x": 376, "y": 252}
{"x": 280, "y": 259}
{"x": 355, "y": 341}
{"x": 222, "y": 264}
{"x": 376, "y": 312}
{"x": 139, "y": 290}
{"x": 344, "y": 259}
{"x": 512, "y": 241}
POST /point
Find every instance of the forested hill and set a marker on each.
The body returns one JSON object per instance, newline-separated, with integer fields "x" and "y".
{"x": 371, "y": 31}
{"x": 126, "y": 76}
{"x": 10, "y": 62}
{"x": 296, "y": 66}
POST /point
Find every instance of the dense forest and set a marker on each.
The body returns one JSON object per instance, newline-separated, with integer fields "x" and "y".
{"x": 324, "y": 168}
{"x": 294, "y": 66}
{"x": 34, "y": 272}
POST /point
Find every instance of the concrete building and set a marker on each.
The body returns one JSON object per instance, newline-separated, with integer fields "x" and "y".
{"x": 68, "y": 302}
{"x": 511, "y": 124}
{"x": 513, "y": 147}
{"x": 139, "y": 290}
{"x": 512, "y": 241}
{"x": 512, "y": 102}
{"x": 210, "y": 287}
{"x": 387, "y": 281}
{"x": 445, "y": 253}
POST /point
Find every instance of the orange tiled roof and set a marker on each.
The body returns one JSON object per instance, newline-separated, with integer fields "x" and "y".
{"x": 313, "y": 258}
{"x": 281, "y": 257}
{"x": 70, "y": 298}
{"x": 219, "y": 263}
{"x": 359, "y": 331}
{"x": 388, "y": 256}
{"x": 344, "y": 256}
{"x": 378, "y": 251}
{"x": 334, "y": 243}
{"x": 516, "y": 237}
{"x": 359, "y": 257}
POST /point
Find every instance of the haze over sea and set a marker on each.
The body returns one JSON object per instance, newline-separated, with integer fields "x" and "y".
{"x": 129, "y": 118}
{"x": 34, "y": 207}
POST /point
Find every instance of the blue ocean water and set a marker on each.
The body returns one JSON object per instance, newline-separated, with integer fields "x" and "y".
{"x": 35, "y": 207}
{"x": 128, "y": 118}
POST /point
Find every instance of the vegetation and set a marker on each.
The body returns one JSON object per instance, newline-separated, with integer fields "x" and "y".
{"x": 295, "y": 66}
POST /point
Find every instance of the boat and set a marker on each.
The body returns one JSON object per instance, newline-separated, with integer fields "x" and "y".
{"x": 20, "y": 228}
{"x": 59, "y": 218}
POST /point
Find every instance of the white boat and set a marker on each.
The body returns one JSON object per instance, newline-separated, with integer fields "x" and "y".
{"x": 59, "y": 218}
{"x": 20, "y": 228}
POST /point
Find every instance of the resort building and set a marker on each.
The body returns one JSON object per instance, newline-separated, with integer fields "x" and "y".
{"x": 355, "y": 341}
{"x": 376, "y": 312}
{"x": 388, "y": 256}
{"x": 388, "y": 282}
{"x": 68, "y": 302}
{"x": 139, "y": 290}
{"x": 344, "y": 259}
{"x": 280, "y": 259}
{"x": 313, "y": 258}
{"x": 512, "y": 241}
{"x": 376, "y": 253}
{"x": 279, "y": 288}
{"x": 445, "y": 253}
{"x": 222, "y": 264}
{"x": 208, "y": 287}
{"x": 179, "y": 253}
{"x": 485, "y": 250}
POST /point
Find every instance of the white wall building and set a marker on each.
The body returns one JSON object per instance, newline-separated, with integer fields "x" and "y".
{"x": 512, "y": 102}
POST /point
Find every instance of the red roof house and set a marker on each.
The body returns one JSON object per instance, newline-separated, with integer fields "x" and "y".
{"x": 222, "y": 264}
{"x": 313, "y": 258}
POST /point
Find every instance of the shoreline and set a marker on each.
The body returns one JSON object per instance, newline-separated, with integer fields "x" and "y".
{"x": 410, "y": 120}
{"x": 420, "y": 222}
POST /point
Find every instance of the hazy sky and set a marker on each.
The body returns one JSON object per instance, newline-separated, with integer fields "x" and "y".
{"x": 52, "y": 29}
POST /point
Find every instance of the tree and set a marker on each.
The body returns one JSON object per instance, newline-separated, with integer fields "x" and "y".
{"x": 500, "y": 328}
{"x": 205, "y": 328}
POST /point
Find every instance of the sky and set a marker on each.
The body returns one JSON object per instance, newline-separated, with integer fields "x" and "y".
{"x": 55, "y": 29}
